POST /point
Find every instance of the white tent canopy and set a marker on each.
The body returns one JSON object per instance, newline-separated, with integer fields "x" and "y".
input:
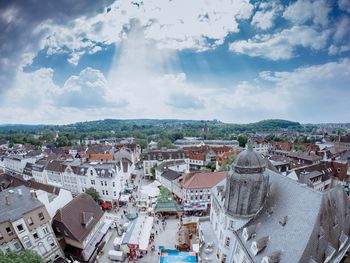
{"x": 150, "y": 190}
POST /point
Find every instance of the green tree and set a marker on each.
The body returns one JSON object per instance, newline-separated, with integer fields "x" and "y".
{"x": 225, "y": 166}
{"x": 242, "y": 140}
{"x": 93, "y": 193}
{"x": 142, "y": 142}
{"x": 165, "y": 143}
{"x": 211, "y": 165}
{"x": 153, "y": 170}
{"x": 27, "y": 257}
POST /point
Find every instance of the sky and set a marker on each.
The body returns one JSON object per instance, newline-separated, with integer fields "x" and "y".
{"x": 237, "y": 61}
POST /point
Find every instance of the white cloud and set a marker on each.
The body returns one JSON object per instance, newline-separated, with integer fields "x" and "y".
{"x": 303, "y": 11}
{"x": 167, "y": 23}
{"x": 87, "y": 90}
{"x": 263, "y": 19}
{"x": 281, "y": 45}
{"x": 342, "y": 30}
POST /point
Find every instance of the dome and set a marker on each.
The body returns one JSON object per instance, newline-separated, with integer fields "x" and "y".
{"x": 247, "y": 184}
{"x": 249, "y": 162}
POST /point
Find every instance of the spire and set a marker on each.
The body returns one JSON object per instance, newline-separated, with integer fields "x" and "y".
{"x": 249, "y": 145}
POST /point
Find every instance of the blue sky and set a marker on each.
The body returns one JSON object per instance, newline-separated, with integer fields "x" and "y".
{"x": 239, "y": 61}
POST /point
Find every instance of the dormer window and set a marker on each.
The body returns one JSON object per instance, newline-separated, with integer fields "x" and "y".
{"x": 329, "y": 253}
{"x": 259, "y": 245}
{"x": 343, "y": 239}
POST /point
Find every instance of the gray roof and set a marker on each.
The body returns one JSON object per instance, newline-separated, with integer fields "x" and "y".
{"x": 249, "y": 161}
{"x": 19, "y": 205}
{"x": 170, "y": 174}
{"x": 296, "y": 216}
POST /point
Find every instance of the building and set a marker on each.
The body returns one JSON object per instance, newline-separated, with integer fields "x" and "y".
{"x": 25, "y": 224}
{"x": 80, "y": 227}
{"x": 153, "y": 158}
{"x": 17, "y": 163}
{"x": 196, "y": 188}
{"x": 261, "y": 147}
{"x": 180, "y": 166}
{"x": 259, "y": 215}
{"x": 321, "y": 176}
{"x": 107, "y": 179}
{"x": 167, "y": 179}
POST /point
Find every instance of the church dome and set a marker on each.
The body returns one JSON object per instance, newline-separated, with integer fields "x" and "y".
{"x": 249, "y": 162}
{"x": 247, "y": 184}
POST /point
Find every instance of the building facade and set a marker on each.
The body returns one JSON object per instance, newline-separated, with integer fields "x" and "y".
{"x": 259, "y": 215}
{"x": 25, "y": 224}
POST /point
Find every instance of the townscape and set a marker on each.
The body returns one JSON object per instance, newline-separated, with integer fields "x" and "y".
{"x": 110, "y": 199}
{"x": 174, "y": 131}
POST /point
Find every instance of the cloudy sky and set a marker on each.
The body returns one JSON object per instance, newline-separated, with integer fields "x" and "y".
{"x": 233, "y": 60}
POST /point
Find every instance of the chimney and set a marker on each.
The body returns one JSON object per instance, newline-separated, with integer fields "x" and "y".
{"x": 20, "y": 192}
{"x": 7, "y": 198}
{"x": 33, "y": 194}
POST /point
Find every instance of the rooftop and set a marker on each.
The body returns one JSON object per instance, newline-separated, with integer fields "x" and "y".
{"x": 19, "y": 203}
{"x": 203, "y": 180}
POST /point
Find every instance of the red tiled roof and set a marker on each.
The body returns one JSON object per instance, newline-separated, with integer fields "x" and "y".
{"x": 98, "y": 157}
{"x": 203, "y": 180}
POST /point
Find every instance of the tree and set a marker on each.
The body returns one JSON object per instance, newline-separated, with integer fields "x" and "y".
{"x": 93, "y": 193}
{"x": 27, "y": 256}
{"x": 225, "y": 166}
{"x": 242, "y": 140}
{"x": 153, "y": 170}
{"x": 211, "y": 165}
{"x": 165, "y": 143}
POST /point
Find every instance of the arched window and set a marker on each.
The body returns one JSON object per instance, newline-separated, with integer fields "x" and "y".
{"x": 50, "y": 241}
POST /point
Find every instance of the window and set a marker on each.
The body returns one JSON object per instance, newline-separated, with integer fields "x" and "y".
{"x": 41, "y": 216}
{"x": 114, "y": 193}
{"x": 46, "y": 231}
{"x": 9, "y": 231}
{"x": 106, "y": 192}
{"x": 28, "y": 244}
{"x": 30, "y": 221}
{"x": 223, "y": 259}
{"x": 227, "y": 241}
{"x": 103, "y": 192}
{"x": 17, "y": 246}
{"x": 113, "y": 184}
{"x": 101, "y": 183}
{"x": 105, "y": 183}
{"x": 51, "y": 242}
{"x": 20, "y": 228}
{"x": 91, "y": 172}
{"x": 93, "y": 182}
{"x": 35, "y": 235}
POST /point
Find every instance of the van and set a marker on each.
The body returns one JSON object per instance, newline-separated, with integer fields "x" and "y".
{"x": 116, "y": 255}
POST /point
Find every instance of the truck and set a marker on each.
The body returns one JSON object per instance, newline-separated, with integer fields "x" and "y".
{"x": 116, "y": 255}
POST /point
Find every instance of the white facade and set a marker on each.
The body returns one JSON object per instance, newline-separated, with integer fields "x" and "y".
{"x": 107, "y": 179}
{"x": 16, "y": 164}
{"x": 262, "y": 148}
{"x": 52, "y": 205}
{"x": 196, "y": 195}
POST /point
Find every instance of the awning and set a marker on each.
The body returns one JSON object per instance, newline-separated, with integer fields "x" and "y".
{"x": 145, "y": 233}
{"x": 106, "y": 205}
{"x": 97, "y": 237}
